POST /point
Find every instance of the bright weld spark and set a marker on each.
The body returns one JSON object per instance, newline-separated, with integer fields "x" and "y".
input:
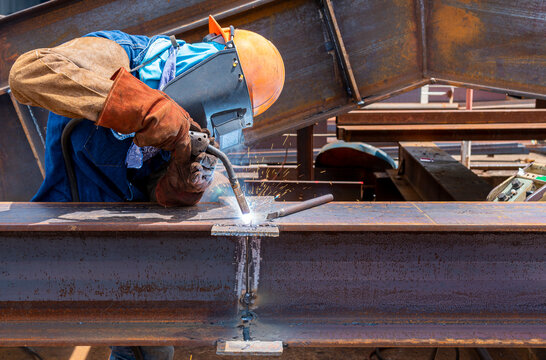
{"x": 247, "y": 218}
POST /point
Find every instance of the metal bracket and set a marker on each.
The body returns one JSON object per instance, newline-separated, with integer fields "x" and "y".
{"x": 263, "y": 348}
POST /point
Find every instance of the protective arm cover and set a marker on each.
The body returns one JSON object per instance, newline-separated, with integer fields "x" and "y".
{"x": 72, "y": 79}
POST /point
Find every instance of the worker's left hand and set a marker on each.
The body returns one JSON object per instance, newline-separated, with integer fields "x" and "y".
{"x": 187, "y": 177}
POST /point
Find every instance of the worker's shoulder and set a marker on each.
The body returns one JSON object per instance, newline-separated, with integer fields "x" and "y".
{"x": 122, "y": 38}
{"x": 134, "y": 45}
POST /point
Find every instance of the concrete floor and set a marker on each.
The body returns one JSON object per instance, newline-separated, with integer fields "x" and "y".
{"x": 208, "y": 353}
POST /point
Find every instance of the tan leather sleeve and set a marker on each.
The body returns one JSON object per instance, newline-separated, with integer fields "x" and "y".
{"x": 72, "y": 79}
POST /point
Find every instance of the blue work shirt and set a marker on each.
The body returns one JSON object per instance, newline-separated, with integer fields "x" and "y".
{"x": 99, "y": 154}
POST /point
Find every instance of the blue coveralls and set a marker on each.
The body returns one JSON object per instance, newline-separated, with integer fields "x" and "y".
{"x": 99, "y": 154}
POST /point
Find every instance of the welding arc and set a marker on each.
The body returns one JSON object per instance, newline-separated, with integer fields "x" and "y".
{"x": 301, "y": 206}
{"x": 239, "y": 196}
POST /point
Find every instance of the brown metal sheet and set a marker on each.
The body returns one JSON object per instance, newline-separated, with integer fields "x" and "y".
{"x": 491, "y": 43}
{"x": 383, "y": 42}
{"x": 392, "y": 46}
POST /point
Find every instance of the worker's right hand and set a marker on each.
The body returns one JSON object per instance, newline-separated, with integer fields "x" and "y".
{"x": 187, "y": 176}
{"x": 157, "y": 120}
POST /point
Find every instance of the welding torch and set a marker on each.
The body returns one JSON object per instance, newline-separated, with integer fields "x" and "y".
{"x": 200, "y": 142}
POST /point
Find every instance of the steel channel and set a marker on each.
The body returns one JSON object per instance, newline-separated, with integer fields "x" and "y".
{"x": 341, "y": 52}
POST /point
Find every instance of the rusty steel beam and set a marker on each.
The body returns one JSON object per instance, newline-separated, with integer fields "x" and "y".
{"x": 442, "y": 132}
{"x": 436, "y": 176}
{"x": 341, "y": 274}
{"x": 441, "y": 125}
{"x": 402, "y": 45}
{"x": 297, "y": 190}
{"x": 414, "y": 117}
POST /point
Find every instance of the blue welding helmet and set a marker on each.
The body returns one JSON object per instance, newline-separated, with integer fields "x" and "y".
{"x": 215, "y": 94}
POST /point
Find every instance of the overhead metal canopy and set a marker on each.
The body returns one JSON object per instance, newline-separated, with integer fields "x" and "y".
{"x": 333, "y": 50}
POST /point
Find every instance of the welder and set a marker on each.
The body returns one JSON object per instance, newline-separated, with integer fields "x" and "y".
{"x": 134, "y": 143}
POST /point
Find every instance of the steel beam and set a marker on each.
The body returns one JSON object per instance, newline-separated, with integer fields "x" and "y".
{"x": 442, "y": 125}
{"x": 443, "y": 132}
{"x": 452, "y": 42}
{"x": 421, "y": 117}
{"x": 436, "y": 176}
{"x": 297, "y": 190}
{"x": 414, "y": 274}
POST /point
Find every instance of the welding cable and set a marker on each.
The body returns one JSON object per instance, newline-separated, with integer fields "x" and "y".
{"x": 30, "y": 351}
{"x": 65, "y": 143}
{"x": 137, "y": 351}
{"x": 377, "y": 354}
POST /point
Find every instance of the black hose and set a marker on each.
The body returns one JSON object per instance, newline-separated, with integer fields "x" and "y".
{"x": 137, "y": 351}
{"x": 225, "y": 160}
{"x": 377, "y": 354}
{"x": 30, "y": 351}
{"x": 65, "y": 147}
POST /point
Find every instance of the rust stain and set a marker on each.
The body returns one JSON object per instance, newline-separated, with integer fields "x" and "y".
{"x": 455, "y": 27}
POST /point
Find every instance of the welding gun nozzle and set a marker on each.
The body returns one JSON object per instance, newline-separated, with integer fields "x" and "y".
{"x": 241, "y": 200}
{"x": 232, "y": 178}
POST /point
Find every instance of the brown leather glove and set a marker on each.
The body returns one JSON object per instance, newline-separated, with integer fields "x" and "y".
{"x": 132, "y": 106}
{"x": 187, "y": 176}
{"x": 157, "y": 120}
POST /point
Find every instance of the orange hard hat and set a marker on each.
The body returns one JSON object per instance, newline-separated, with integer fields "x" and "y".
{"x": 261, "y": 63}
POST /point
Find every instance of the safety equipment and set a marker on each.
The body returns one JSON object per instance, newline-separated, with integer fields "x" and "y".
{"x": 261, "y": 62}
{"x": 184, "y": 184}
{"x": 221, "y": 92}
{"x": 157, "y": 120}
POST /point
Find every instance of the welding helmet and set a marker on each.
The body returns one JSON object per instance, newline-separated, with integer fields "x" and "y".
{"x": 261, "y": 62}
{"x": 226, "y": 90}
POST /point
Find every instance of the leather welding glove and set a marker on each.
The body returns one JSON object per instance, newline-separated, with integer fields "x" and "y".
{"x": 183, "y": 184}
{"x": 157, "y": 120}
{"x": 72, "y": 79}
